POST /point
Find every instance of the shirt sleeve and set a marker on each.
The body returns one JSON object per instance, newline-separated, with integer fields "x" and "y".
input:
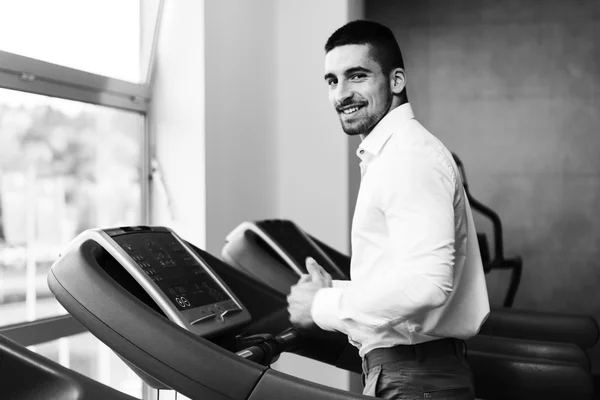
{"x": 417, "y": 201}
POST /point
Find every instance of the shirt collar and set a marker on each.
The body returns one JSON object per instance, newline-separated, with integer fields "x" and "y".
{"x": 375, "y": 140}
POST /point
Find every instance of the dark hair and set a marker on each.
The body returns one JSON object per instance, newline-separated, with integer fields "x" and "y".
{"x": 385, "y": 49}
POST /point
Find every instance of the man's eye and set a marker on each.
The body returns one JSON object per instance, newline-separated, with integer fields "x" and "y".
{"x": 357, "y": 76}
{"x": 331, "y": 82}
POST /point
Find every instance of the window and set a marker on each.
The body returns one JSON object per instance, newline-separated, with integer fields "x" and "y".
{"x": 65, "y": 167}
{"x": 105, "y": 37}
{"x": 73, "y": 155}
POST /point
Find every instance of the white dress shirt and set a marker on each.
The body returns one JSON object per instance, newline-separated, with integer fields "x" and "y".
{"x": 416, "y": 271}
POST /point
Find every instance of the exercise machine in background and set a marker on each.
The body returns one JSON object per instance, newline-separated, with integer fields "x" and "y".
{"x": 498, "y": 260}
{"x": 275, "y": 251}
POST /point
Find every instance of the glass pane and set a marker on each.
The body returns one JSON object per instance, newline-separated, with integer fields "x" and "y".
{"x": 90, "y": 357}
{"x": 64, "y": 167}
{"x": 105, "y": 37}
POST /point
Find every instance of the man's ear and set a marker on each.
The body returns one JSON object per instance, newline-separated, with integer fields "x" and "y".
{"x": 397, "y": 80}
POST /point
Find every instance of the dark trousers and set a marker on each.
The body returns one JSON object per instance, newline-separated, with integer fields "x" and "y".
{"x": 431, "y": 370}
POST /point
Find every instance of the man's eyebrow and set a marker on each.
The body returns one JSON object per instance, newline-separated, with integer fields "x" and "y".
{"x": 348, "y": 72}
{"x": 354, "y": 70}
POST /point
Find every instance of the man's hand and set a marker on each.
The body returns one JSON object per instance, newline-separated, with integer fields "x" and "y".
{"x": 303, "y": 293}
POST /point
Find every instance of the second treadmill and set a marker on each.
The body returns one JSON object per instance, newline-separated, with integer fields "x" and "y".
{"x": 275, "y": 250}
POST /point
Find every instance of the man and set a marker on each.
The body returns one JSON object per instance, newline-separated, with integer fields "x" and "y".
{"x": 417, "y": 287}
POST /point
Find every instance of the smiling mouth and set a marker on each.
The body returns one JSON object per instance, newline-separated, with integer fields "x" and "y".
{"x": 350, "y": 110}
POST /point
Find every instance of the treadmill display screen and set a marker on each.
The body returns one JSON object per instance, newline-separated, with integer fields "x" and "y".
{"x": 173, "y": 269}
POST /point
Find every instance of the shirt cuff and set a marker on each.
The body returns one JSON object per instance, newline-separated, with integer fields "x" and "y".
{"x": 340, "y": 284}
{"x": 324, "y": 310}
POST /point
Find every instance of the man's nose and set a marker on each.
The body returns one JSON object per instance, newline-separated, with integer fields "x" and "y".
{"x": 342, "y": 93}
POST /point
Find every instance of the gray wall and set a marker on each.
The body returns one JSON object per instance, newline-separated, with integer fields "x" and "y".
{"x": 514, "y": 88}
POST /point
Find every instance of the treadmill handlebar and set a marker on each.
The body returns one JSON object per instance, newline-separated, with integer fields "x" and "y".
{"x": 265, "y": 348}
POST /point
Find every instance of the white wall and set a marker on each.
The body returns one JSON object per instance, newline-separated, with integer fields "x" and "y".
{"x": 313, "y": 171}
{"x": 275, "y": 148}
{"x": 176, "y": 118}
{"x": 312, "y": 148}
{"x": 241, "y": 137}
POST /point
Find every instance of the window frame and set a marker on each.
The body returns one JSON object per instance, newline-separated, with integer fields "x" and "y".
{"x": 26, "y": 74}
{"x": 42, "y": 330}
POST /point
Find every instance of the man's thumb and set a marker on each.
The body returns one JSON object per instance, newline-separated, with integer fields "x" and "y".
{"x": 313, "y": 269}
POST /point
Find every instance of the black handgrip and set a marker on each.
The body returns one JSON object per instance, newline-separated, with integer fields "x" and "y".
{"x": 268, "y": 350}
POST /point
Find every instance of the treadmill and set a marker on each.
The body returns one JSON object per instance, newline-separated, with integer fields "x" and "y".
{"x": 27, "y": 375}
{"x": 275, "y": 251}
{"x": 185, "y": 320}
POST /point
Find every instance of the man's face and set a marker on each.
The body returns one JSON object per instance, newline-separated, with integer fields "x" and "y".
{"x": 358, "y": 89}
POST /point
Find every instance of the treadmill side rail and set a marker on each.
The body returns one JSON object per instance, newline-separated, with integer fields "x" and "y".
{"x": 28, "y": 375}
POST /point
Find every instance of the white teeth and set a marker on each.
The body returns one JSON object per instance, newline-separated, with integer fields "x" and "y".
{"x": 350, "y": 110}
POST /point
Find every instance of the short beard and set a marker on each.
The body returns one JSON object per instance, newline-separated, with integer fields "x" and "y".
{"x": 364, "y": 127}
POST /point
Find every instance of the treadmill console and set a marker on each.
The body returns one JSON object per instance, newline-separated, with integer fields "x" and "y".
{"x": 177, "y": 279}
